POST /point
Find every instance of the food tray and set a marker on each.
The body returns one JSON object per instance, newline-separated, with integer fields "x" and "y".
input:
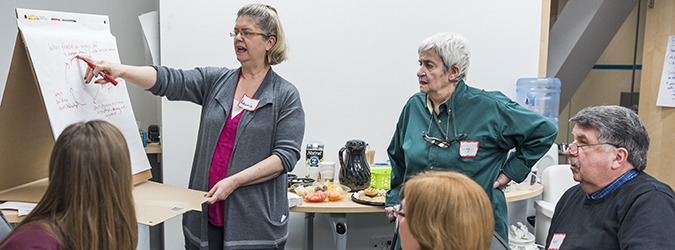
{"x": 355, "y": 198}
{"x": 292, "y": 188}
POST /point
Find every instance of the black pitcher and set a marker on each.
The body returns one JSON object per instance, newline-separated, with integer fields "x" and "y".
{"x": 354, "y": 169}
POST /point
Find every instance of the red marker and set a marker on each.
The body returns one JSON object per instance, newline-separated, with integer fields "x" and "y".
{"x": 103, "y": 74}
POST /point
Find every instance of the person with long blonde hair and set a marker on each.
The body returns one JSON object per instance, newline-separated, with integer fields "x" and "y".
{"x": 444, "y": 210}
{"x": 88, "y": 203}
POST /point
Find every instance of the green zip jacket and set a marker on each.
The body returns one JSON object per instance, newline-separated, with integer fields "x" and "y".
{"x": 493, "y": 123}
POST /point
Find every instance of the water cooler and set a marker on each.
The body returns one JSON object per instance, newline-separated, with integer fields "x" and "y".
{"x": 541, "y": 95}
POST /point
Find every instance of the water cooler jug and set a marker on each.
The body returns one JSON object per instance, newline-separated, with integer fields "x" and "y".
{"x": 542, "y": 95}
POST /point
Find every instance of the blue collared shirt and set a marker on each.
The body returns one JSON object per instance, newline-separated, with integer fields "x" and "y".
{"x": 612, "y": 186}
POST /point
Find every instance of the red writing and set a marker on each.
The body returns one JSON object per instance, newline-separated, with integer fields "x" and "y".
{"x": 110, "y": 109}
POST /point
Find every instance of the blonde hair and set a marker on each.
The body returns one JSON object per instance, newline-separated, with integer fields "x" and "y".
{"x": 267, "y": 19}
{"x": 88, "y": 203}
{"x": 448, "y": 210}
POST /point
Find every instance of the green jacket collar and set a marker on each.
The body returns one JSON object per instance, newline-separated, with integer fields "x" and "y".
{"x": 459, "y": 91}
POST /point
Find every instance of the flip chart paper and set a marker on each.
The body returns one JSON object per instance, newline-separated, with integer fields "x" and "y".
{"x": 53, "y": 39}
{"x": 666, "y": 96}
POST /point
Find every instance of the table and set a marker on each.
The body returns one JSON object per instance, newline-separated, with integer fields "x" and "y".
{"x": 517, "y": 195}
{"x": 336, "y": 213}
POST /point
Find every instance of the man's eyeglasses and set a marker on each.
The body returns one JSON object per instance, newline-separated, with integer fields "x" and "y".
{"x": 574, "y": 148}
{"x": 398, "y": 211}
{"x": 247, "y": 34}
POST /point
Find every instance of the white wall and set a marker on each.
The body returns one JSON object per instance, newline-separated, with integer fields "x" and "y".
{"x": 354, "y": 63}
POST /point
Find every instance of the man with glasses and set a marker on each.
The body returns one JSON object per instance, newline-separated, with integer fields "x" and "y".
{"x": 616, "y": 204}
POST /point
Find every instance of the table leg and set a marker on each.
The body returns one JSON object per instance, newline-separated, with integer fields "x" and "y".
{"x": 339, "y": 223}
{"x": 309, "y": 229}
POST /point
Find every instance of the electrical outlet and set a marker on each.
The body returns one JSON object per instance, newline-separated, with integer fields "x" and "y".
{"x": 380, "y": 243}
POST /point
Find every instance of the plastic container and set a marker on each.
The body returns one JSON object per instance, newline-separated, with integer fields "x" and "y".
{"x": 314, "y": 157}
{"x": 523, "y": 244}
{"x": 542, "y": 95}
{"x": 380, "y": 176}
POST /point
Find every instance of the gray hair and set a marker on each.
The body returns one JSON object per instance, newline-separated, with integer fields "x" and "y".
{"x": 619, "y": 126}
{"x": 453, "y": 49}
{"x": 267, "y": 19}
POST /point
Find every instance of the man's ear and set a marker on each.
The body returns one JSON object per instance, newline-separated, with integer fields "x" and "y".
{"x": 620, "y": 158}
{"x": 271, "y": 42}
{"x": 453, "y": 73}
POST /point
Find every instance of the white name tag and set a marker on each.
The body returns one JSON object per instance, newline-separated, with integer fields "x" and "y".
{"x": 468, "y": 148}
{"x": 556, "y": 241}
{"x": 248, "y": 103}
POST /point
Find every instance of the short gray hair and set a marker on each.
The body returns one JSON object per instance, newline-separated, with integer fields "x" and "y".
{"x": 453, "y": 49}
{"x": 619, "y": 126}
{"x": 267, "y": 19}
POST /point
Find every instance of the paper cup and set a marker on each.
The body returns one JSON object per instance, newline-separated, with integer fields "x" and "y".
{"x": 314, "y": 173}
{"x": 327, "y": 171}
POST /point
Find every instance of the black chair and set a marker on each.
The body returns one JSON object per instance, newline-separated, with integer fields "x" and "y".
{"x": 498, "y": 243}
{"x": 5, "y": 227}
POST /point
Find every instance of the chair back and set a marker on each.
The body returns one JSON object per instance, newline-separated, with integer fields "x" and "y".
{"x": 556, "y": 180}
{"x": 498, "y": 243}
{"x": 5, "y": 227}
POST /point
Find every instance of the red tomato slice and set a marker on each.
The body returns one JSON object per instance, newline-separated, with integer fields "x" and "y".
{"x": 316, "y": 196}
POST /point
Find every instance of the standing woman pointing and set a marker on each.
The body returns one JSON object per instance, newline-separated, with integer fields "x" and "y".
{"x": 252, "y": 125}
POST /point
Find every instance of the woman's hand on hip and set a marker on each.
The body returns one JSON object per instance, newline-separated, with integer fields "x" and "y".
{"x": 501, "y": 182}
{"x": 221, "y": 190}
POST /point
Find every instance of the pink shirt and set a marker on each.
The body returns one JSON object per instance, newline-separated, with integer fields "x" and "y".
{"x": 219, "y": 163}
{"x": 31, "y": 237}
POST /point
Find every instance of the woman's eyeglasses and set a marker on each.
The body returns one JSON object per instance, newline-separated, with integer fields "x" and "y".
{"x": 435, "y": 141}
{"x": 442, "y": 143}
{"x": 246, "y": 34}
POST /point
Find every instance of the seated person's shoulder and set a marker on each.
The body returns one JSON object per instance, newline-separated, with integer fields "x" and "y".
{"x": 32, "y": 236}
{"x": 649, "y": 184}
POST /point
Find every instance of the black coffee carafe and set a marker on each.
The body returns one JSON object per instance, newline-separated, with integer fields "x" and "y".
{"x": 354, "y": 169}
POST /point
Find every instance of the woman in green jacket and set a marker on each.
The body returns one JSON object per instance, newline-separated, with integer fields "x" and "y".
{"x": 451, "y": 126}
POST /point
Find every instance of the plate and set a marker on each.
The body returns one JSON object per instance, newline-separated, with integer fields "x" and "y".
{"x": 355, "y": 198}
{"x": 292, "y": 188}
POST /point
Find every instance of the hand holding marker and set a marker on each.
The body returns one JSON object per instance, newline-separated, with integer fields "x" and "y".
{"x": 102, "y": 73}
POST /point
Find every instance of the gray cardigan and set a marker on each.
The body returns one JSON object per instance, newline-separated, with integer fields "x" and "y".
{"x": 256, "y": 216}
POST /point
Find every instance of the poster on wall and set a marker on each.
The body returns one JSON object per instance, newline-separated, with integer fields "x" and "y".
{"x": 667, "y": 87}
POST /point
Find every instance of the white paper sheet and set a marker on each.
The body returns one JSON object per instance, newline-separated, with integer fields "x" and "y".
{"x": 53, "y": 40}
{"x": 150, "y": 26}
{"x": 22, "y": 207}
{"x": 667, "y": 87}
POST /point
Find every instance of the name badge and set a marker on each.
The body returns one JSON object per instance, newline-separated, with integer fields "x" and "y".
{"x": 248, "y": 103}
{"x": 468, "y": 148}
{"x": 556, "y": 241}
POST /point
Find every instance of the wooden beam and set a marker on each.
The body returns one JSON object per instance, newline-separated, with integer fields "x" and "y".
{"x": 659, "y": 121}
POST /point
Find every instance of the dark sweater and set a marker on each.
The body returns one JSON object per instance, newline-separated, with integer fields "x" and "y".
{"x": 640, "y": 214}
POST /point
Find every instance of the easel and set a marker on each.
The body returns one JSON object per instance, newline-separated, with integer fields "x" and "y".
{"x": 27, "y": 139}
